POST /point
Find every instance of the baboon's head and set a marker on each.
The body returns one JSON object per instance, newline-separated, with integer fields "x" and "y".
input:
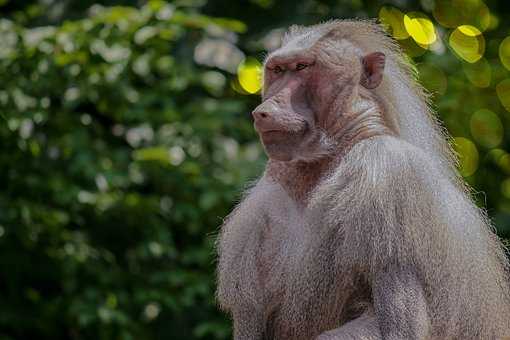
{"x": 308, "y": 83}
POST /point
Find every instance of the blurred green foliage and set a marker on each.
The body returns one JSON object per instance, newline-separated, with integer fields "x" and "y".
{"x": 125, "y": 139}
{"x": 119, "y": 157}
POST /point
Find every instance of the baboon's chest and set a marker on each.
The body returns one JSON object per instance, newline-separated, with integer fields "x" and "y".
{"x": 284, "y": 241}
{"x": 299, "y": 272}
{"x": 291, "y": 259}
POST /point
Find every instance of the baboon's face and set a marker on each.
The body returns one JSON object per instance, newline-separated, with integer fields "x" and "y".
{"x": 303, "y": 90}
{"x": 286, "y": 117}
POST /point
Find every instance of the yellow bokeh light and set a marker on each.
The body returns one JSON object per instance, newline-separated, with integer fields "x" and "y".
{"x": 452, "y": 13}
{"x": 504, "y": 163}
{"x": 236, "y": 86}
{"x": 494, "y": 22}
{"x": 503, "y": 91}
{"x": 249, "y": 75}
{"x": 505, "y": 188}
{"x": 468, "y": 43}
{"x": 468, "y": 156}
{"x": 470, "y": 31}
{"x": 444, "y": 14}
{"x": 486, "y": 128}
{"x": 479, "y": 73}
{"x": 412, "y": 48}
{"x": 495, "y": 154}
{"x": 420, "y": 28}
{"x": 393, "y": 19}
{"x": 504, "y": 52}
{"x": 483, "y": 18}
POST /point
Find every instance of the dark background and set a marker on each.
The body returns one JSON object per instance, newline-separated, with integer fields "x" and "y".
{"x": 125, "y": 138}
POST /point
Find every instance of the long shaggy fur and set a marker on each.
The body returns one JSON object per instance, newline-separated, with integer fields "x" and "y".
{"x": 392, "y": 201}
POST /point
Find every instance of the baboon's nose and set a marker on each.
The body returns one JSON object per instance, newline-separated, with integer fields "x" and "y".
{"x": 260, "y": 115}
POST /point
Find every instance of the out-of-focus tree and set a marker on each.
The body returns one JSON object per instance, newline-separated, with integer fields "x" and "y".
{"x": 125, "y": 138}
{"x": 119, "y": 155}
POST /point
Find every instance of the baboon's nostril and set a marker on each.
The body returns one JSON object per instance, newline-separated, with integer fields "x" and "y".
{"x": 260, "y": 115}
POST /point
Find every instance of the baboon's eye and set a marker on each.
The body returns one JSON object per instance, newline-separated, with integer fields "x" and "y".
{"x": 278, "y": 69}
{"x": 301, "y": 66}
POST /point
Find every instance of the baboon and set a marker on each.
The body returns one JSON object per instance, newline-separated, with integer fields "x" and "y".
{"x": 360, "y": 227}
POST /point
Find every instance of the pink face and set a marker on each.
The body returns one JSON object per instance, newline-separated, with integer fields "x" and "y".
{"x": 286, "y": 116}
{"x": 300, "y": 92}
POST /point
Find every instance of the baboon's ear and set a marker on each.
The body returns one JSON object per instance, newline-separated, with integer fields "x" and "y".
{"x": 373, "y": 68}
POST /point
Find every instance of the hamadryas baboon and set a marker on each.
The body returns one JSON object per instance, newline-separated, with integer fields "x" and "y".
{"x": 360, "y": 227}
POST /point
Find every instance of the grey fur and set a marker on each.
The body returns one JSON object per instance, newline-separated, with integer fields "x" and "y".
{"x": 389, "y": 244}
